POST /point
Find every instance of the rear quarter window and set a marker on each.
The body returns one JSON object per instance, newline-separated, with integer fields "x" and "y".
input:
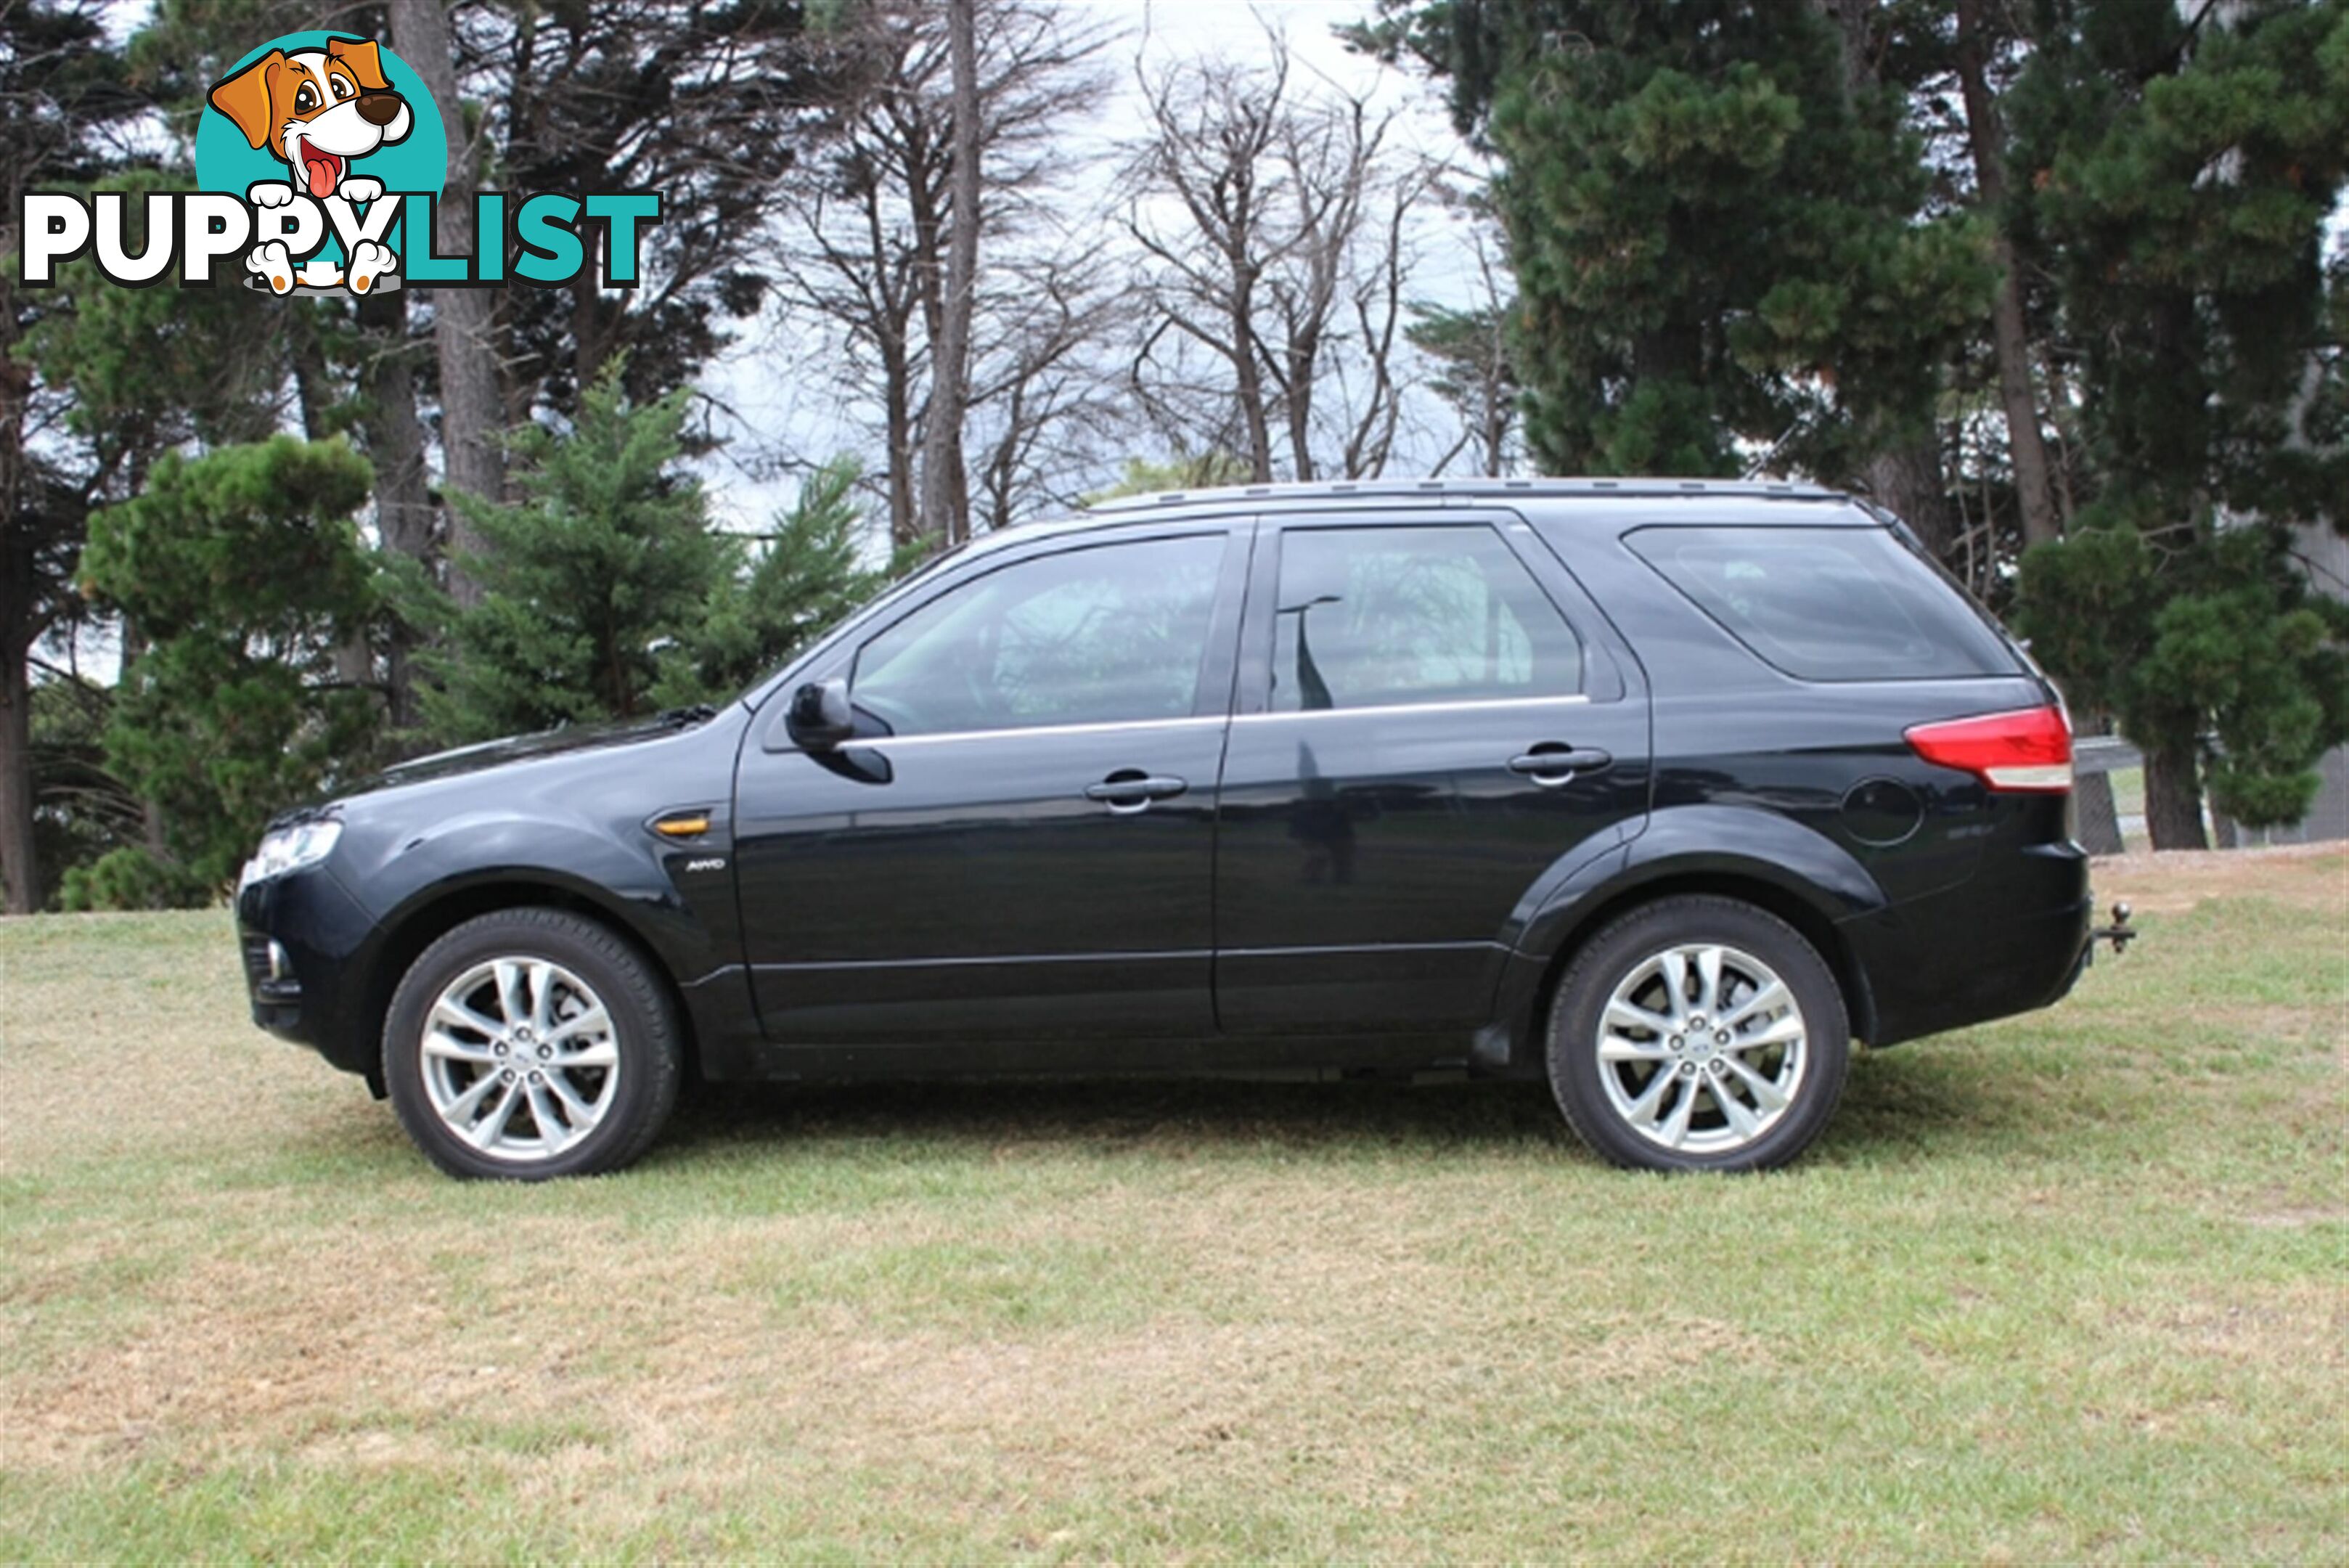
{"x": 1827, "y": 604}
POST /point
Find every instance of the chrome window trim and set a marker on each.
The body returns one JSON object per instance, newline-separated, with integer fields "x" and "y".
{"x": 1202, "y": 721}
{"x": 1010, "y": 732}
{"x": 1476, "y": 704}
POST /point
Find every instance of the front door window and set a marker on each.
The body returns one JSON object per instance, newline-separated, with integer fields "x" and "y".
{"x": 1104, "y": 634}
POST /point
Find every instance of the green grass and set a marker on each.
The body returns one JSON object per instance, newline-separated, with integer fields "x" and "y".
{"x": 2073, "y": 1287}
{"x": 2129, "y": 792}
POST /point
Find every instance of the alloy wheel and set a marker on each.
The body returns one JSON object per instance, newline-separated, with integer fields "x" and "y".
{"x": 519, "y": 1058}
{"x": 1702, "y": 1048}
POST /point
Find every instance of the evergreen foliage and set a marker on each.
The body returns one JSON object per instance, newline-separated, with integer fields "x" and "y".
{"x": 773, "y": 601}
{"x": 1713, "y": 222}
{"x": 2221, "y": 637}
{"x": 1471, "y": 368}
{"x": 85, "y": 813}
{"x": 586, "y": 579}
{"x": 710, "y": 105}
{"x": 1727, "y": 241}
{"x": 152, "y": 368}
{"x": 606, "y": 594}
{"x": 2183, "y": 170}
{"x": 66, "y": 109}
{"x": 246, "y": 573}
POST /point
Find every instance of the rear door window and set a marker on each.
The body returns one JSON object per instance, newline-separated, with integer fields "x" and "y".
{"x": 1389, "y": 616}
{"x": 1827, "y": 604}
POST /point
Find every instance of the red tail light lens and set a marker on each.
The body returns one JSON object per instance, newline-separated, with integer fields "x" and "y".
{"x": 2029, "y": 750}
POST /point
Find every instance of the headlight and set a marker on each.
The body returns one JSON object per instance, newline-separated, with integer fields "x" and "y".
{"x": 290, "y": 849}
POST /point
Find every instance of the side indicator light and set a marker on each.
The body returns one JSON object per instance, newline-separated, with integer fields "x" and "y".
{"x": 681, "y": 826}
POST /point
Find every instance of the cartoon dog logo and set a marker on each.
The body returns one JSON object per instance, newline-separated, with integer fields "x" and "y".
{"x": 320, "y": 110}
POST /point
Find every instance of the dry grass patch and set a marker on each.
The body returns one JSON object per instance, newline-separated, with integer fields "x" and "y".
{"x": 2312, "y": 876}
{"x": 2304, "y": 1324}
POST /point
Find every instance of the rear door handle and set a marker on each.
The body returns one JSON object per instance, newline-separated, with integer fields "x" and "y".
{"x": 1130, "y": 790}
{"x": 1554, "y": 763}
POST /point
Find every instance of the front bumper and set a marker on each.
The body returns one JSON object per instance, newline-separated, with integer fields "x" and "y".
{"x": 311, "y": 993}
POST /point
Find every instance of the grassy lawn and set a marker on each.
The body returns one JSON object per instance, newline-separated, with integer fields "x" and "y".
{"x": 2076, "y": 1285}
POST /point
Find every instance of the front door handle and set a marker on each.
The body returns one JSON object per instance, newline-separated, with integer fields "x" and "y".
{"x": 1130, "y": 790}
{"x": 1554, "y": 763}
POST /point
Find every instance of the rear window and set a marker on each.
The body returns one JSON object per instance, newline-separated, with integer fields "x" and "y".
{"x": 1827, "y": 604}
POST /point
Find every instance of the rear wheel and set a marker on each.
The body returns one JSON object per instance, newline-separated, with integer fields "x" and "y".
{"x": 1699, "y": 1033}
{"x": 531, "y": 1043}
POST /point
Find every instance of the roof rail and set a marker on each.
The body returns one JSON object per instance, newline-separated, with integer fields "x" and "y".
{"x": 1340, "y": 488}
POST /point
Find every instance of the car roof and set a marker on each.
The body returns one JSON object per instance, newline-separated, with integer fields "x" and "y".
{"x": 1403, "y": 502}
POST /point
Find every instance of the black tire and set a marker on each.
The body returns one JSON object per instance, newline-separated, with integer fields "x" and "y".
{"x": 1604, "y": 1100}
{"x": 643, "y": 1040}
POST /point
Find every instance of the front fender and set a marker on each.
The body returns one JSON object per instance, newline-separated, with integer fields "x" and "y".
{"x": 625, "y": 879}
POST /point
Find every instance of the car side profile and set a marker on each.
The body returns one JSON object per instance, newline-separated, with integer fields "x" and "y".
{"x": 1662, "y": 792}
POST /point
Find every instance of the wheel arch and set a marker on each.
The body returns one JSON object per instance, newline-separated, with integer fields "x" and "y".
{"x": 1772, "y": 898}
{"x": 432, "y": 914}
{"x": 1566, "y": 932}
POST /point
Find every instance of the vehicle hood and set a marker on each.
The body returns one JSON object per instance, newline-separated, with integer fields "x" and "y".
{"x": 516, "y": 750}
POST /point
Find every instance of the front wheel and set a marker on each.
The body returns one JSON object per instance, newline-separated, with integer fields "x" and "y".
{"x": 1699, "y": 1033}
{"x": 531, "y": 1043}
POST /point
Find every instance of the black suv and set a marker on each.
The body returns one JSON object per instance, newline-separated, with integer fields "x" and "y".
{"x": 1662, "y": 791}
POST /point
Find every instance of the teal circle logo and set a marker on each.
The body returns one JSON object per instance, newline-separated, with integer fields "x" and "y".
{"x": 324, "y": 115}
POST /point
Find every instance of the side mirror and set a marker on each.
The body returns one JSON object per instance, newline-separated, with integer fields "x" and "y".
{"x": 820, "y": 717}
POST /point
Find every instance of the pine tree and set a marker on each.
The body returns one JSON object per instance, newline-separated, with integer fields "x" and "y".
{"x": 124, "y": 376}
{"x": 1713, "y": 216}
{"x": 605, "y": 562}
{"x": 64, "y": 107}
{"x": 245, "y": 571}
{"x": 773, "y": 601}
{"x": 2182, "y": 170}
{"x": 1469, "y": 367}
{"x": 86, "y": 811}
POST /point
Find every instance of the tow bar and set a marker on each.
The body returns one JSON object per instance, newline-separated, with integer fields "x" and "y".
{"x": 2120, "y": 933}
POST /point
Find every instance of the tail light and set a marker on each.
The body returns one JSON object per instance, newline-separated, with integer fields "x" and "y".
{"x": 2028, "y": 750}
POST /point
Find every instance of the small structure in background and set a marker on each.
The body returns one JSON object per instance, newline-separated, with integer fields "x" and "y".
{"x": 2104, "y": 829}
{"x": 2328, "y": 815}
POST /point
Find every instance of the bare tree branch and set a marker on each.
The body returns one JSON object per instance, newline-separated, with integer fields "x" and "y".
{"x": 866, "y": 256}
{"x": 1248, "y": 198}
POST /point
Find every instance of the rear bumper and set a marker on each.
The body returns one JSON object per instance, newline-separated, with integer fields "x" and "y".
{"x": 2013, "y": 939}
